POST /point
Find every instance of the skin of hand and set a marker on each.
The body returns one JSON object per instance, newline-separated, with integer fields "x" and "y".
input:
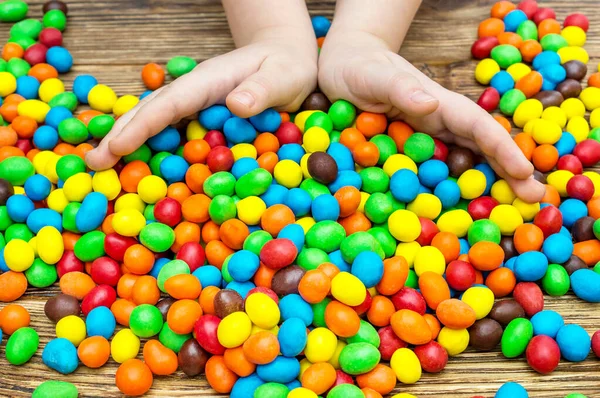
{"x": 275, "y": 65}
{"x": 359, "y": 63}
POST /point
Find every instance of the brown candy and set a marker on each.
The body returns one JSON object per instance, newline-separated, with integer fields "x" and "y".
{"x": 576, "y": 70}
{"x": 60, "y": 306}
{"x": 164, "y": 305}
{"x": 574, "y": 264}
{"x": 549, "y": 98}
{"x": 583, "y": 229}
{"x": 316, "y": 102}
{"x": 569, "y": 88}
{"x": 505, "y": 311}
{"x": 460, "y": 160}
{"x": 192, "y": 358}
{"x": 322, "y": 167}
{"x": 286, "y": 280}
{"x": 228, "y": 301}
{"x": 55, "y": 5}
{"x": 485, "y": 334}
{"x": 508, "y": 246}
{"x": 539, "y": 176}
{"x": 6, "y": 191}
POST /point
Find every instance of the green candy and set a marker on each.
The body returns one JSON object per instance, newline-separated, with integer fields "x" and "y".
{"x": 319, "y": 119}
{"x": 484, "y": 230}
{"x": 314, "y": 188}
{"x": 5, "y": 220}
{"x": 155, "y": 162}
{"x": 596, "y": 268}
{"x": 172, "y": 340}
{"x": 253, "y": 183}
{"x": 145, "y": 320}
{"x": 17, "y": 67}
{"x": 366, "y": 334}
{"x": 385, "y": 239}
{"x": 18, "y": 231}
{"x": 378, "y": 207}
{"x": 16, "y": 169}
{"x": 386, "y": 145}
{"x": 221, "y": 209}
{"x": 359, "y": 358}
{"x": 172, "y": 268}
{"x": 100, "y": 125}
{"x": 179, "y": 151}
{"x": 2, "y": 242}
{"x": 55, "y": 389}
{"x": 528, "y": 30}
{"x": 396, "y": 204}
{"x": 227, "y": 278}
{"x": 2, "y": 66}
{"x": 73, "y": 131}
{"x": 345, "y": 391}
{"x": 66, "y": 99}
{"x": 13, "y": 10}
{"x": 342, "y": 114}
{"x": 149, "y": 213}
{"x": 68, "y": 216}
{"x": 272, "y": 390}
{"x": 319, "y": 313}
{"x": 325, "y": 235}
{"x": 24, "y": 41}
{"x": 311, "y": 258}
{"x": 28, "y": 27}
{"x": 506, "y": 55}
{"x": 516, "y": 336}
{"x": 157, "y": 237}
{"x": 553, "y": 42}
{"x": 220, "y": 183}
{"x": 69, "y": 165}
{"x": 596, "y": 228}
{"x": 357, "y": 243}
{"x": 180, "y": 65}
{"x": 256, "y": 240}
{"x": 575, "y": 395}
{"x": 412, "y": 280}
{"x": 374, "y": 179}
{"x": 594, "y": 134}
{"x": 334, "y": 136}
{"x": 143, "y": 153}
{"x": 556, "y": 282}
{"x": 90, "y": 246}
{"x": 41, "y": 274}
{"x": 21, "y": 345}
{"x": 419, "y": 147}
{"x": 55, "y": 19}
{"x": 511, "y": 100}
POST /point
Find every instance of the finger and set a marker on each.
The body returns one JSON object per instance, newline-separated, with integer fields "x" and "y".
{"x": 270, "y": 88}
{"x": 389, "y": 85}
{"x": 529, "y": 190}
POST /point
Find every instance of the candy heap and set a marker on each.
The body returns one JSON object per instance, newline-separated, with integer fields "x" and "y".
{"x": 327, "y": 252}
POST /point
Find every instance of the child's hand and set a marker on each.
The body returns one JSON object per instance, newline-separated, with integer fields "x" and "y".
{"x": 275, "y": 66}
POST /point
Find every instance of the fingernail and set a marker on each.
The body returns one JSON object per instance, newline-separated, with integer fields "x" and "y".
{"x": 421, "y": 97}
{"x": 245, "y": 98}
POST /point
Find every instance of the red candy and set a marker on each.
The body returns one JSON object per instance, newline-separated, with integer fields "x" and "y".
{"x": 68, "y": 263}
{"x": 168, "y": 211}
{"x": 577, "y": 20}
{"x": 220, "y": 158}
{"x": 408, "y": 298}
{"x": 596, "y": 343}
{"x": 440, "y": 151}
{"x": 193, "y": 254}
{"x": 530, "y": 296}
{"x": 50, "y": 37}
{"x": 36, "y": 54}
{"x": 215, "y": 138}
{"x": 580, "y": 187}
{"x": 205, "y": 330}
{"x": 390, "y": 342}
{"x": 342, "y": 378}
{"x": 570, "y": 163}
{"x": 543, "y": 354}
{"x": 489, "y": 99}
{"x": 278, "y": 253}
{"x": 105, "y": 271}
{"x": 529, "y": 7}
{"x": 363, "y": 307}
{"x": 549, "y": 220}
{"x": 288, "y": 133}
{"x": 543, "y": 13}
{"x": 483, "y": 47}
{"x": 588, "y": 151}
{"x": 100, "y": 296}
{"x": 115, "y": 245}
{"x": 428, "y": 230}
{"x": 481, "y": 207}
{"x": 432, "y": 356}
{"x": 460, "y": 275}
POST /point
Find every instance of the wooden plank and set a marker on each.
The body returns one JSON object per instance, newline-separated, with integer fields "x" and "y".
{"x": 113, "y": 39}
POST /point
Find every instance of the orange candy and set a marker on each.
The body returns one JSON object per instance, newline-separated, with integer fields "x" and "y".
{"x": 161, "y": 360}
{"x": 236, "y": 361}
{"x": 266, "y": 142}
{"x": 455, "y": 314}
{"x": 275, "y": 218}
{"x": 132, "y": 174}
{"x": 184, "y": 286}
{"x": 179, "y": 191}
{"x": 593, "y": 206}
{"x": 8, "y": 136}
{"x": 588, "y": 251}
{"x": 526, "y": 143}
{"x": 356, "y": 222}
{"x": 43, "y": 72}
{"x": 381, "y": 379}
{"x": 366, "y": 154}
{"x": 233, "y": 232}
{"x": 553, "y": 197}
{"x": 138, "y": 259}
{"x": 530, "y": 49}
{"x": 319, "y": 377}
{"x": 395, "y": 272}
{"x": 411, "y": 327}
{"x": 594, "y": 80}
{"x": 195, "y": 208}
{"x": 548, "y": 26}
{"x": 434, "y": 325}
{"x": 125, "y": 285}
{"x": 121, "y": 309}
{"x": 207, "y": 299}
{"x": 370, "y": 393}
{"x": 448, "y": 244}
{"x": 530, "y": 84}
{"x": 268, "y": 161}
{"x": 545, "y": 157}
{"x": 13, "y": 317}
{"x": 145, "y": 290}
{"x": 94, "y": 352}
{"x": 12, "y": 50}
{"x": 434, "y": 289}
{"x": 76, "y": 284}
{"x": 153, "y": 76}
{"x": 195, "y": 176}
{"x": 400, "y": 132}
{"x": 349, "y": 199}
{"x": 342, "y": 320}
{"x": 486, "y": 256}
{"x": 504, "y": 122}
{"x": 185, "y": 232}
{"x": 528, "y": 238}
{"x": 218, "y": 375}
{"x": 182, "y": 315}
{"x": 501, "y": 8}
{"x": 380, "y": 311}
{"x": 501, "y": 281}
{"x": 490, "y": 27}
{"x": 314, "y": 286}
{"x": 217, "y": 252}
{"x": 264, "y": 276}
{"x": 133, "y": 377}
{"x": 24, "y": 126}
{"x": 196, "y": 151}
{"x": 261, "y": 348}
{"x": 351, "y": 137}
{"x": 371, "y": 124}
{"x": 510, "y": 38}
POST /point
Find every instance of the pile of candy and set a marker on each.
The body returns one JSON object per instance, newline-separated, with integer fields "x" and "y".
{"x": 327, "y": 252}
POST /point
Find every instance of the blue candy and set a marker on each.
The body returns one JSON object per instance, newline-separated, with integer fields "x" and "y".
{"x": 586, "y": 285}
{"x": 325, "y": 207}
{"x": 158, "y": 264}
{"x": 342, "y": 156}
{"x": 294, "y": 306}
{"x": 574, "y": 343}
{"x": 100, "y": 322}
{"x": 167, "y": 140}
{"x": 464, "y": 246}
{"x": 448, "y": 192}
{"x": 243, "y": 265}
{"x": 214, "y": 117}
{"x": 502, "y": 82}
{"x": 238, "y": 130}
{"x": 291, "y": 151}
{"x": 40, "y": 218}
{"x": 57, "y": 115}
{"x": 241, "y": 287}
{"x": 368, "y": 267}
{"x": 37, "y": 187}
{"x": 320, "y": 25}
{"x": 173, "y": 168}
{"x": 511, "y": 390}
{"x": 346, "y": 178}
{"x": 145, "y": 94}
{"x": 336, "y": 258}
{"x": 268, "y": 121}
{"x": 244, "y": 387}
{"x": 572, "y": 210}
{"x": 293, "y": 232}
{"x": 513, "y": 19}
{"x": 510, "y": 263}
{"x": 558, "y": 248}
{"x": 61, "y": 355}
{"x": 404, "y": 185}
{"x": 432, "y": 172}
{"x": 545, "y": 58}
{"x": 554, "y": 73}
{"x": 292, "y": 337}
{"x": 92, "y": 212}
{"x": 19, "y": 207}
{"x": 276, "y": 195}
{"x": 208, "y": 275}
{"x": 490, "y": 176}
{"x": 281, "y": 370}
{"x": 299, "y": 201}
{"x": 531, "y": 266}
{"x": 27, "y": 87}
{"x": 243, "y": 166}
{"x": 566, "y": 144}
{"x": 82, "y": 85}
{"x": 548, "y": 85}
{"x": 547, "y": 323}
{"x": 60, "y": 58}
{"x": 45, "y": 138}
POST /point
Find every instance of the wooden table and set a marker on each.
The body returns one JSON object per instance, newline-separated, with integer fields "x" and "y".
{"x": 113, "y": 39}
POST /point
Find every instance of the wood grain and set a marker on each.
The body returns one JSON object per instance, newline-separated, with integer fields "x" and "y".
{"x": 114, "y": 39}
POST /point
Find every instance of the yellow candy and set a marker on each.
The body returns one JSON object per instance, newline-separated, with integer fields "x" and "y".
{"x": 455, "y": 221}
{"x": 33, "y": 243}
{"x": 404, "y": 395}
{"x": 125, "y": 104}
{"x": 243, "y": 151}
{"x": 404, "y": 225}
{"x": 250, "y": 210}
{"x": 50, "y": 169}
{"x": 454, "y": 341}
{"x": 304, "y": 166}
{"x": 321, "y": 344}
{"x": 40, "y": 160}
{"x": 426, "y": 205}
{"x": 527, "y": 110}
{"x": 579, "y": 128}
{"x": 107, "y": 183}
{"x": 316, "y": 139}
{"x": 559, "y": 179}
{"x": 590, "y": 96}
{"x": 518, "y": 71}
{"x": 573, "y": 53}
{"x": 528, "y": 210}
{"x": 50, "y": 246}
{"x": 573, "y": 107}
{"x": 347, "y": 289}
{"x": 502, "y": 192}
{"x": 125, "y": 345}
{"x": 397, "y": 162}
{"x": 485, "y": 70}
{"x": 507, "y": 217}
{"x": 128, "y": 222}
{"x": 77, "y": 187}
{"x": 302, "y": 392}
{"x": 288, "y": 173}
{"x": 481, "y": 299}
{"x": 102, "y": 98}
{"x": 34, "y": 109}
{"x": 57, "y": 200}
{"x": 409, "y": 251}
{"x": 72, "y": 328}
{"x": 18, "y": 255}
{"x": 364, "y": 196}
{"x": 335, "y": 359}
{"x": 152, "y": 189}
{"x": 256, "y": 329}
{"x": 195, "y": 131}
{"x": 50, "y": 88}
{"x": 8, "y": 84}
{"x": 306, "y": 223}
{"x": 304, "y": 364}
{"x": 555, "y": 114}
{"x": 406, "y": 365}
{"x": 595, "y": 118}
{"x": 528, "y": 128}
{"x": 262, "y": 310}
{"x": 130, "y": 201}
{"x": 234, "y": 329}
{"x": 595, "y": 177}
{"x": 574, "y": 35}
{"x": 429, "y": 258}
{"x": 546, "y": 132}
{"x": 472, "y": 184}
{"x": 301, "y": 118}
